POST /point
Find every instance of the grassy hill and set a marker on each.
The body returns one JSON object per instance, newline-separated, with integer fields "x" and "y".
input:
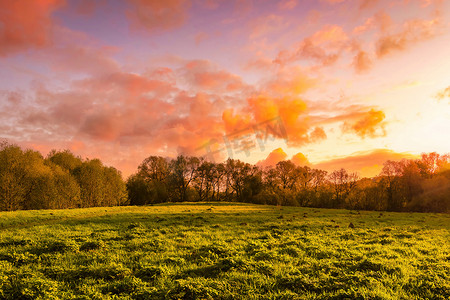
{"x": 223, "y": 251}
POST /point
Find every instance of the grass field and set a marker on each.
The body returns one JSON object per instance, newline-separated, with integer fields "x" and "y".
{"x": 223, "y": 251}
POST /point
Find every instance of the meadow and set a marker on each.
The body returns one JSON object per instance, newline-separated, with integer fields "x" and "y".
{"x": 223, "y": 251}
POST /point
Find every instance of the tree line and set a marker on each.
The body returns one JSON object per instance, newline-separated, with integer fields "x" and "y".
{"x": 63, "y": 180}
{"x": 409, "y": 185}
{"x": 60, "y": 180}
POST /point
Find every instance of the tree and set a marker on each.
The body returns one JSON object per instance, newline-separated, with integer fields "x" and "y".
{"x": 287, "y": 175}
{"x": 154, "y": 168}
{"x": 13, "y": 177}
{"x": 390, "y": 182}
{"x": 65, "y": 159}
{"x": 139, "y": 190}
{"x": 204, "y": 179}
{"x": 68, "y": 193}
{"x": 115, "y": 191}
{"x": 410, "y": 180}
{"x": 366, "y": 196}
{"x": 342, "y": 183}
{"x": 90, "y": 177}
{"x": 183, "y": 170}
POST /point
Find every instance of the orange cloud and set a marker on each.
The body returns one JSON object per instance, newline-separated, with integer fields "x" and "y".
{"x": 329, "y": 34}
{"x": 273, "y": 158}
{"x": 370, "y": 124}
{"x": 289, "y": 81}
{"x": 317, "y": 134}
{"x": 381, "y": 21}
{"x": 292, "y": 112}
{"x": 444, "y": 94}
{"x": 287, "y": 115}
{"x": 300, "y": 159}
{"x": 156, "y": 15}
{"x": 362, "y": 62}
{"x": 26, "y": 24}
{"x": 235, "y": 122}
{"x": 363, "y": 120}
{"x": 368, "y": 164}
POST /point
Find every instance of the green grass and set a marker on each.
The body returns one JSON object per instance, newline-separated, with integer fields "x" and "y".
{"x": 223, "y": 251}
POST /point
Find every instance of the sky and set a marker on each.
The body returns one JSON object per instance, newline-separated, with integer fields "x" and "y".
{"x": 325, "y": 83}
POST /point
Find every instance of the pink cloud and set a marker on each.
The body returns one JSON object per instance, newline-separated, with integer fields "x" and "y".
{"x": 88, "y": 7}
{"x": 26, "y": 24}
{"x": 324, "y": 47}
{"x": 81, "y": 59}
{"x": 155, "y": 15}
{"x": 265, "y": 25}
{"x": 200, "y": 37}
{"x": 205, "y": 76}
{"x": 287, "y": 4}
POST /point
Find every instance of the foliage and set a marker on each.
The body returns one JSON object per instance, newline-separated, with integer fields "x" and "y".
{"x": 28, "y": 181}
{"x": 62, "y": 180}
{"x": 408, "y": 185}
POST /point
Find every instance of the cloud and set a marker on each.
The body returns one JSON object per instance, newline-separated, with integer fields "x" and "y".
{"x": 413, "y": 31}
{"x": 81, "y": 59}
{"x": 324, "y": 47}
{"x": 443, "y": 94}
{"x": 333, "y": 1}
{"x": 209, "y": 4}
{"x": 317, "y": 134}
{"x": 281, "y": 118}
{"x": 200, "y": 37}
{"x": 121, "y": 112}
{"x": 381, "y": 21}
{"x": 141, "y": 114}
{"x": 300, "y": 159}
{"x": 291, "y": 81}
{"x": 370, "y": 124}
{"x": 88, "y": 7}
{"x": 287, "y": 4}
{"x": 203, "y": 75}
{"x": 291, "y": 111}
{"x": 273, "y": 158}
{"x": 265, "y": 25}
{"x": 26, "y": 24}
{"x": 234, "y": 121}
{"x": 362, "y": 62}
{"x": 368, "y": 164}
{"x": 156, "y": 15}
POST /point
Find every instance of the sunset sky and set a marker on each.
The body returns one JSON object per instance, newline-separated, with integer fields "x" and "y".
{"x": 328, "y": 83}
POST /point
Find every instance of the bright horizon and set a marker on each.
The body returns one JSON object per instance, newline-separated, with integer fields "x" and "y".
{"x": 353, "y": 83}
